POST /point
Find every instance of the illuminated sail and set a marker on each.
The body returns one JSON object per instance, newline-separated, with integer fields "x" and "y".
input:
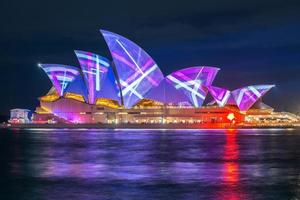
{"x": 60, "y": 75}
{"x": 98, "y": 76}
{"x": 78, "y": 87}
{"x": 137, "y": 71}
{"x": 220, "y": 95}
{"x": 193, "y": 82}
{"x": 167, "y": 93}
{"x": 245, "y": 97}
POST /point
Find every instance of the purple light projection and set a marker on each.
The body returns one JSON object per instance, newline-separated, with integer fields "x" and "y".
{"x": 167, "y": 93}
{"x": 193, "y": 82}
{"x": 95, "y": 69}
{"x": 78, "y": 86}
{"x": 137, "y": 71}
{"x": 220, "y": 95}
{"x": 70, "y": 111}
{"x": 139, "y": 77}
{"x": 60, "y": 75}
{"x": 245, "y": 97}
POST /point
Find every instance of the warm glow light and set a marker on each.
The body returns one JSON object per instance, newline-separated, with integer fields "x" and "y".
{"x": 231, "y": 172}
{"x": 107, "y": 102}
{"x": 148, "y": 103}
{"x": 74, "y": 96}
{"x": 231, "y": 156}
{"x": 43, "y": 110}
{"x": 49, "y": 98}
{"x": 231, "y": 116}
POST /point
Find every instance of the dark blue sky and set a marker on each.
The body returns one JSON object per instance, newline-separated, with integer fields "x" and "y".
{"x": 253, "y": 42}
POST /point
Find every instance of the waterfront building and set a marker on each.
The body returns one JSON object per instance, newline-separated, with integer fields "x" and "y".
{"x": 19, "y": 116}
{"x": 131, "y": 89}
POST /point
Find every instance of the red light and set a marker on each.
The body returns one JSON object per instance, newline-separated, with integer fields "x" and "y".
{"x": 231, "y": 155}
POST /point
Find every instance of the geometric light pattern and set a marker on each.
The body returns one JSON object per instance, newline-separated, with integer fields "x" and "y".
{"x": 136, "y": 76}
{"x": 167, "y": 93}
{"x": 245, "y": 97}
{"x": 137, "y": 71}
{"x": 220, "y": 95}
{"x": 193, "y": 82}
{"x": 94, "y": 70}
{"x": 79, "y": 87}
{"x": 60, "y": 75}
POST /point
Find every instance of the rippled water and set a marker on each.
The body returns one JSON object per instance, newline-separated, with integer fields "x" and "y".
{"x": 150, "y": 164}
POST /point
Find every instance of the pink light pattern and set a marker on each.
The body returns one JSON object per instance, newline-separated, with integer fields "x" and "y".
{"x": 137, "y": 71}
{"x": 60, "y": 75}
{"x": 94, "y": 70}
{"x": 245, "y": 97}
{"x": 193, "y": 81}
{"x": 220, "y": 95}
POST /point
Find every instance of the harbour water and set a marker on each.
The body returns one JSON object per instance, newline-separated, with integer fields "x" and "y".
{"x": 149, "y": 164}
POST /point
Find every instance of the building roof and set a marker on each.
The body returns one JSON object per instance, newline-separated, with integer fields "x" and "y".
{"x": 220, "y": 95}
{"x": 137, "y": 71}
{"x": 60, "y": 75}
{"x": 98, "y": 76}
{"x": 19, "y": 110}
{"x": 166, "y": 93}
{"x": 245, "y": 97}
{"x": 193, "y": 81}
{"x": 134, "y": 76}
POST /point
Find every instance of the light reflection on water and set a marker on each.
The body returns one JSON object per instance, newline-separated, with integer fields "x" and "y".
{"x": 150, "y": 164}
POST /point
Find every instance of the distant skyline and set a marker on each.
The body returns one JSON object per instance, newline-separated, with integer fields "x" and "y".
{"x": 253, "y": 42}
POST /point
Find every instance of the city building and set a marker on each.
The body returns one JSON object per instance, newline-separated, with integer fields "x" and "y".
{"x": 19, "y": 116}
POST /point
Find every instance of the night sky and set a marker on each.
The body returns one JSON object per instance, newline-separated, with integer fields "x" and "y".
{"x": 253, "y": 42}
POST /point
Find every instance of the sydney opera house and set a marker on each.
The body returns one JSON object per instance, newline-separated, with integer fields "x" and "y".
{"x": 131, "y": 89}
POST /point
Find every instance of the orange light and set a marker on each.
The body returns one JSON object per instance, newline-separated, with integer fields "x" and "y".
{"x": 148, "y": 103}
{"x": 49, "y": 98}
{"x": 231, "y": 172}
{"x": 107, "y": 102}
{"x": 74, "y": 96}
{"x": 42, "y": 110}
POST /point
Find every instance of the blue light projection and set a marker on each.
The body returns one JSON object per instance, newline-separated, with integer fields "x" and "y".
{"x": 137, "y": 71}
{"x": 245, "y": 97}
{"x": 193, "y": 82}
{"x": 166, "y": 93}
{"x": 60, "y": 75}
{"x": 98, "y": 76}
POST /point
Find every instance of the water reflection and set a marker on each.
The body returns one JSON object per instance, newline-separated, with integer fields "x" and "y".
{"x": 231, "y": 186}
{"x": 231, "y": 156}
{"x": 147, "y": 164}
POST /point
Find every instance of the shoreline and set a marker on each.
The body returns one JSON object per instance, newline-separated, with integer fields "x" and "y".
{"x": 140, "y": 126}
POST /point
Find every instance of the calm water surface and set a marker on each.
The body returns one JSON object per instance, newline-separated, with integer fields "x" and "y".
{"x": 150, "y": 164}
